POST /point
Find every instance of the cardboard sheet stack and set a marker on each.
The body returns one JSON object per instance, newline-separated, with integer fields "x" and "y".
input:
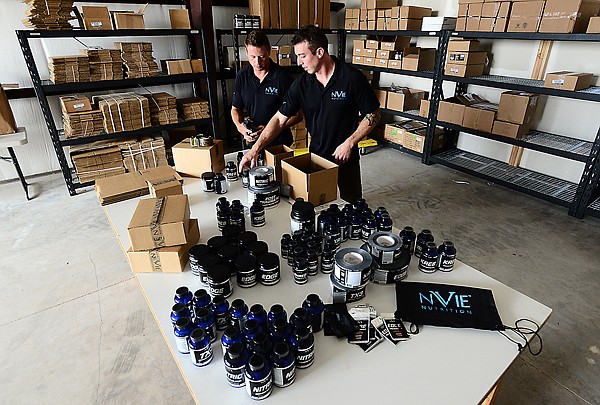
{"x": 82, "y": 124}
{"x": 145, "y": 154}
{"x": 48, "y": 14}
{"x": 163, "y": 108}
{"x": 193, "y": 108}
{"x": 69, "y": 69}
{"x": 97, "y": 163}
{"x": 138, "y": 59}
{"x": 105, "y": 64}
{"x": 123, "y": 111}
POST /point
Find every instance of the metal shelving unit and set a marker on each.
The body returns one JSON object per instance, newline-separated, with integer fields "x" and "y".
{"x": 44, "y": 89}
{"x": 576, "y": 196}
{"x": 410, "y": 114}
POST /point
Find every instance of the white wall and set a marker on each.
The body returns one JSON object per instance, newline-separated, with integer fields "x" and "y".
{"x": 577, "y": 119}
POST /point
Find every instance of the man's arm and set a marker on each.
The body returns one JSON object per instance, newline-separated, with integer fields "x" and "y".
{"x": 273, "y": 128}
{"x": 294, "y": 120}
{"x": 237, "y": 116}
{"x": 343, "y": 151}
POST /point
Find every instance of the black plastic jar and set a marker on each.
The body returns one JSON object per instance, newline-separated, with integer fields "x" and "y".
{"x": 227, "y": 254}
{"x": 219, "y": 280}
{"x": 208, "y": 182}
{"x": 231, "y": 171}
{"x": 257, "y": 214}
{"x": 195, "y": 253}
{"x": 204, "y": 264}
{"x": 302, "y": 216}
{"x": 231, "y": 232}
{"x": 246, "y": 238}
{"x": 422, "y": 238}
{"x": 312, "y": 261}
{"x": 285, "y": 245}
{"x": 269, "y": 269}
{"x": 300, "y": 270}
{"x": 246, "y": 270}
{"x": 257, "y": 248}
{"x": 217, "y": 242}
{"x": 220, "y": 184}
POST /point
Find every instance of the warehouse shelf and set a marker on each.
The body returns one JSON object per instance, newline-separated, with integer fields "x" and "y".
{"x": 130, "y": 134}
{"x": 149, "y": 32}
{"x": 411, "y": 114}
{"x": 539, "y": 36}
{"x": 428, "y": 74}
{"x": 529, "y": 182}
{"x": 594, "y": 208}
{"x": 51, "y": 89}
{"x": 528, "y": 85}
{"x": 399, "y": 33}
{"x": 570, "y": 148}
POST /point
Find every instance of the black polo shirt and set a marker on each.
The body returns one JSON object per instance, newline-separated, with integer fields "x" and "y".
{"x": 332, "y": 113}
{"x": 262, "y": 99}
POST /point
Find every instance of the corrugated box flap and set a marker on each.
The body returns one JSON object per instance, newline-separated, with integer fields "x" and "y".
{"x": 173, "y": 210}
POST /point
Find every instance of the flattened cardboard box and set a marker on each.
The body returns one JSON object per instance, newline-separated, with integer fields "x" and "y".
{"x": 311, "y": 177}
{"x": 569, "y": 81}
{"x": 75, "y": 103}
{"x": 96, "y": 18}
{"x": 165, "y": 260}
{"x": 274, "y": 155}
{"x": 192, "y": 161}
{"x": 180, "y": 19}
{"x": 121, "y": 187}
{"x": 159, "y": 222}
{"x": 424, "y": 108}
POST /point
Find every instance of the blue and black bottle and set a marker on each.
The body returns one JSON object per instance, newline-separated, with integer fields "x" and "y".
{"x": 300, "y": 319}
{"x": 303, "y": 343}
{"x": 284, "y": 367}
{"x": 200, "y": 348}
{"x": 261, "y": 343}
{"x": 314, "y": 307}
{"x": 179, "y": 310}
{"x": 220, "y": 309}
{"x": 251, "y": 328}
{"x": 235, "y": 360}
{"x": 447, "y": 256}
{"x": 237, "y": 313}
{"x": 408, "y": 237}
{"x": 182, "y": 329}
{"x": 275, "y": 312}
{"x": 280, "y": 331}
{"x": 201, "y": 299}
{"x": 183, "y": 295}
{"x": 257, "y": 312}
{"x": 429, "y": 258}
{"x": 422, "y": 238}
{"x": 259, "y": 378}
{"x": 230, "y": 336}
{"x": 205, "y": 320}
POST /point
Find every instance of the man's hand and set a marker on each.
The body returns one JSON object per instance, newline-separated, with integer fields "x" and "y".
{"x": 342, "y": 153}
{"x": 252, "y": 137}
{"x": 248, "y": 160}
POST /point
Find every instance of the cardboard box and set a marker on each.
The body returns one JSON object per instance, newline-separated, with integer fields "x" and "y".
{"x": 525, "y": 16}
{"x": 75, "y": 103}
{"x": 192, "y": 161}
{"x": 416, "y": 59}
{"x": 311, "y": 177}
{"x": 424, "y": 108}
{"x": 394, "y": 64}
{"x": 358, "y": 60}
{"x": 352, "y": 13}
{"x": 452, "y": 110}
{"x": 96, "y": 18}
{"x": 385, "y": 54}
{"x": 176, "y": 66}
{"x": 369, "y": 61}
{"x": 462, "y": 10}
{"x": 288, "y": 13}
{"x": 415, "y": 140}
{"x": 163, "y": 188}
{"x": 461, "y": 24}
{"x": 381, "y": 95}
{"x": 473, "y": 23}
{"x": 197, "y": 65}
{"x": 475, "y": 10}
{"x": 405, "y": 24}
{"x": 370, "y": 53}
{"x": 568, "y": 81}
{"x": 128, "y": 20}
{"x": 371, "y": 43}
{"x": 518, "y": 107}
{"x": 510, "y": 130}
{"x": 467, "y": 58}
{"x": 480, "y": 116}
{"x": 396, "y": 44}
{"x": 393, "y": 133}
{"x": 414, "y": 12}
{"x": 453, "y": 69}
{"x": 371, "y": 4}
{"x": 594, "y": 26}
{"x": 180, "y": 19}
{"x": 274, "y": 155}
{"x": 171, "y": 259}
{"x": 381, "y": 63}
{"x": 159, "y": 222}
{"x": 463, "y": 45}
{"x": 405, "y": 99}
{"x": 380, "y": 24}
{"x": 121, "y": 187}
{"x": 568, "y": 16}
{"x": 358, "y": 51}
{"x": 351, "y": 24}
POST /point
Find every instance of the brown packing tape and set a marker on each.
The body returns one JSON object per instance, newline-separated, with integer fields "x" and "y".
{"x": 157, "y": 234}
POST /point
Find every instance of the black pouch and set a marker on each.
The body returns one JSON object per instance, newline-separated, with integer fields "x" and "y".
{"x": 337, "y": 321}
{"x": 447, "y": 305}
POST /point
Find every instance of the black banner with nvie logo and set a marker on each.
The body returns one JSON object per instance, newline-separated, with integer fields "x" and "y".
{"x": 447, "y": 305}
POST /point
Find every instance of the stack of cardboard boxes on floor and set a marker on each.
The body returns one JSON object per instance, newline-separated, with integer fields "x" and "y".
{"x": 548, "y": 16}
{"x": 291, "y": 13}
{"x": 385, "y": 15}
{"x": 392, "y": 53}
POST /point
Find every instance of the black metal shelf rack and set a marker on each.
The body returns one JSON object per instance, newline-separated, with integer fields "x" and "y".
{"x": 44, "y": 89}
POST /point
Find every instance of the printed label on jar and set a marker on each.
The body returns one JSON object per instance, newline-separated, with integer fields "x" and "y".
{"x": 203, "y": 277}
{"x": 305, "y": 357}
{"x": 260, "y": 389}
{"x": 301, "y": 277}
{"x": 258, "y": 220}
{"x": 182, "y": 344}
{"x": 269, "y": 277}
{"x": 355, "y": 232}
{"x": 235, "y": 376}
{"x": 284, "y": 376}
{"x": 326, "y": 265}
{"x": 446, "y": 263}
{"x": 313, "y": 267}
{"x": 202, "y": 357}
{"x": 269, "y": 200}
{"x": 427, "y": 265}
{"x": 222, "y": 321}
{"x": 247, "y": 280}
{"x": 223, "y": 289}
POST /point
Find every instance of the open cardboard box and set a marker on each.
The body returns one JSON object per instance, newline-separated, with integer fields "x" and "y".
{"x": 274, "y": 155}
{"x": 311, "y": 177}
{"x": 171, "y": 259}
{"x": 129, "y": 20}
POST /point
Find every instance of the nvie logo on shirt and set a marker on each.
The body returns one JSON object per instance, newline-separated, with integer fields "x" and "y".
{"x": 338, "y": 95}
{"x": 272, "y": 91}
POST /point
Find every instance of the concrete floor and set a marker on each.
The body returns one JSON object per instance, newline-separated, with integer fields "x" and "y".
{"x": 75, "y": 328}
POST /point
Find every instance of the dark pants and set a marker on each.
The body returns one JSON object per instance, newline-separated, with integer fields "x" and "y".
{"x": 349, "y": 181}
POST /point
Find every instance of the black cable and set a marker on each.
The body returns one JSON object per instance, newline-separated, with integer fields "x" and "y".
{"x": 523, "y": 332}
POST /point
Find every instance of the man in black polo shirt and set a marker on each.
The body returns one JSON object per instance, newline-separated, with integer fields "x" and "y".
{"x": 259, "y": 90}
{"x": 339, "y": 106}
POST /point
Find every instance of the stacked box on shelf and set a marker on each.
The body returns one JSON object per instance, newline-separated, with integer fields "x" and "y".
{"x": 144, "y": 154}
{"x": 284, "y": 55}
{"x": 483, "y": 16}
{"x": 291, "y": 13}
{"x": 352, "y": 19}
{"x": 193, "y": 108}
{"x": 163, "y": 108}
{"x": 411, "y": 17}
{"x": 301, "y": 139}
{"x": 105, "y": 64}
{"x": 525, "y": 16}
{"x": 568, "y": 16}
{"x": 386, "y": 52}
{"x": 418, "y": 59}
{"x": 516, "y": 114}
{"x": 404, "y": 99}
{"x": 82, "y": 124}
{"x": 48, "y": 14}
{"x": 138, "y": 59}
{"x": 123, "y": 111}
{"x": 97, "y": 163}
{"x": 464, "y": 58}
{"x": 69, "y": 69}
